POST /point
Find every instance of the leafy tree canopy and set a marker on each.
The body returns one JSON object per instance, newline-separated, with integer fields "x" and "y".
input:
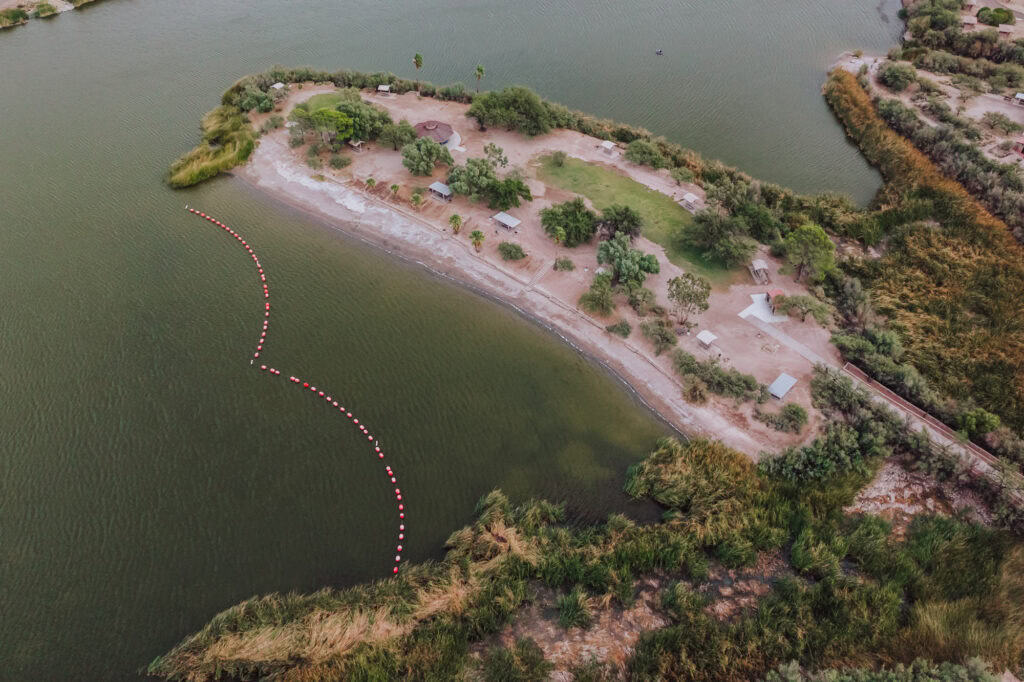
{"x": 421, "y": 156}
{"x": 397, "y": 134}
{"x": 809, "y": 249}
{"x": 516, "y": 108}
{"x": 577, "y": 222}
{"x": 631, "y": 265}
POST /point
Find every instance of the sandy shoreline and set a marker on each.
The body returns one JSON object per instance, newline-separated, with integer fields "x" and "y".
{"x": 274, "y": 169}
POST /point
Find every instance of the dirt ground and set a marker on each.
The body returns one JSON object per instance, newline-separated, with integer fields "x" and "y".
{"x": 898, "y": 495}
{"x": 532, "y": 285}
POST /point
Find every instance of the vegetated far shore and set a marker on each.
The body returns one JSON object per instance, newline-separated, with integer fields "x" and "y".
{"x": 18, "y": 12}
{"x": 769, "y": 571}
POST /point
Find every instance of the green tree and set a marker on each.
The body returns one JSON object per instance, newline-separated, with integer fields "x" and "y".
{"x": 809, "y": 249}
{"x": 645, "y": 153}
{"x": 631, "y": 265}
{"x": 472, "y": 180}
{"x": 455, "y": 220}
{"x": 599, "y": 299}
{"x": 368, "y": 121}
{"x": 573, "y": 219}
{"x": 371, "y": 183}
{"x": 417, "y": 61}
{"x": 504, "y": 194}
{"x": 558, "y": 236}
{"x": 616, "y": 218}
{"x": 397, "y": 134}
{"x": 331, "y": 124}
{"x": 719, "y": 237}
{"x": 495, "y": 155}
{"x": 420, "y": 157}
{"x": 479, "y": 75}
{"x": 897, "y": 77}
{"x": 476, "y": 237}
{"x": 417, "y": 200}
{"x": 511, "y": 251}
{"x": 515, "y": 108}
{"x": 394, "y": 190}
{"x": 689, "y": 294}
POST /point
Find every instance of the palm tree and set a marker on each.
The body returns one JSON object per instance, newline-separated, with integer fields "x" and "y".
{"x": 477, "y": 237}
{"x": 417, "y": 200}
{"x": 370, "y": 182}
{"x": 394, "y": 190}
{"x": 417, "y": 61}
{"x": 558, "y": 234}
{"x": 479, "y": 75}
{"x": 455, "y": 220}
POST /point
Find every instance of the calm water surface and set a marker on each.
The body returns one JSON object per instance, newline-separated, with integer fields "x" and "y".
{"x": 148, "y": 477}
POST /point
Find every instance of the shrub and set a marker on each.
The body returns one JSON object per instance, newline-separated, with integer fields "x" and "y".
{"x": 791, "y": 418}
{"x": 314, "y": 162}
{"x": 640, "y": 299}
{"x": 564, "y": 264}
{"x": 272, "y": 123}
{"x": 574, "y": 609}
{"x": 681, "y": 175}
{"x": 1000, "y": 122}
{"x": 511, "y": 251}
{"x": 803, "y": 305}
{"x": 43, "y": 10}
{"x": 598, "y": 300}
{"x": 993, "y": 16}
{"x": 897, "y": 77}
{"x": 729, "y": 382}
{"x": 558, "y": 158}
{"x": 620, "y": 328}
{"x": 338, "y": 161}
{"x": 660, "y": 333}
{"x": 644, "y": 153}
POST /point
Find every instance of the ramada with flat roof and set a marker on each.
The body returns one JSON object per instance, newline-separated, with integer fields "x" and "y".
{"x": 440, "y": 190}
{"x": 780, "y": 387}
{"x": 506, "y": 221}
{"x": 436, "y": 130}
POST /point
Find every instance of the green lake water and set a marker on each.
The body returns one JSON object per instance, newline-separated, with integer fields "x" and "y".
{"x": 148, "y": 476}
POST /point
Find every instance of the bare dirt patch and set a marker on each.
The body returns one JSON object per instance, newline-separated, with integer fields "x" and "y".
{"x": 898, "y": 495}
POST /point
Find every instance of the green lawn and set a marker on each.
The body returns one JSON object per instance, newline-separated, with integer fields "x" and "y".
{"x": 325, "y": 100}
{"x": 662, "y": 216}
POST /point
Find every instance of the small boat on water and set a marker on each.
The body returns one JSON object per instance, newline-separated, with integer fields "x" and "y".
{"x": 659, "y": 52}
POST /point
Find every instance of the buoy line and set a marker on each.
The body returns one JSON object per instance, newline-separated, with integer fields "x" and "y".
{"x": 328, "y": 398}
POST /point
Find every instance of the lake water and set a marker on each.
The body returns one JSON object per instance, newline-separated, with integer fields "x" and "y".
{"x": 149, "y": 477}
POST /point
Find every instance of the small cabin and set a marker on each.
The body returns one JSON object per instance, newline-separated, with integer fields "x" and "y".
{"x": 278, "y": 86}
{"x": 690, "y": 201}
{"x": 608, "y": 147}
{"x": 969, "y": 22}
{"x": 1005, "y": 30}
{"x": 1019, "y": 98}
{"x": 1018, "y": 146}
{"x": 706, "y": 339}
{"x": 506, "y": 221}
{"x": 780, "y": 387}
{"x": 440, "y": 191}
{"x": 384, "y": 89}
{"x": 356, "y": 145}
{"x": 970, "y": 5}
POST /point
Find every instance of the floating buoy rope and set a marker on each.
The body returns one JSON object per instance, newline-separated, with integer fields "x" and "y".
{"x": 332, "y": 402}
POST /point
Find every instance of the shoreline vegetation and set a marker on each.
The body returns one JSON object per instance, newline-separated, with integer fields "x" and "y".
{"x": 772, "y": 570}
{"x": 18, "y": 14}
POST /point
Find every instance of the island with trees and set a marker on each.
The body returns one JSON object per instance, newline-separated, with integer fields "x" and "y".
{"x": 785, "y": 550}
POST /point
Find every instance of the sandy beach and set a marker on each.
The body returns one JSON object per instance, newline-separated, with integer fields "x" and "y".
{"x": 532, "y": 286}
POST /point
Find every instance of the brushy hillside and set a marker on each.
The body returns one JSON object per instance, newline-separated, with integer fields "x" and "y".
{"x": 951, "y": 591}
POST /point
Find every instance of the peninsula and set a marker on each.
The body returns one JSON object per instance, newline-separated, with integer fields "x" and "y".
{"x": 802, "y": 327}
